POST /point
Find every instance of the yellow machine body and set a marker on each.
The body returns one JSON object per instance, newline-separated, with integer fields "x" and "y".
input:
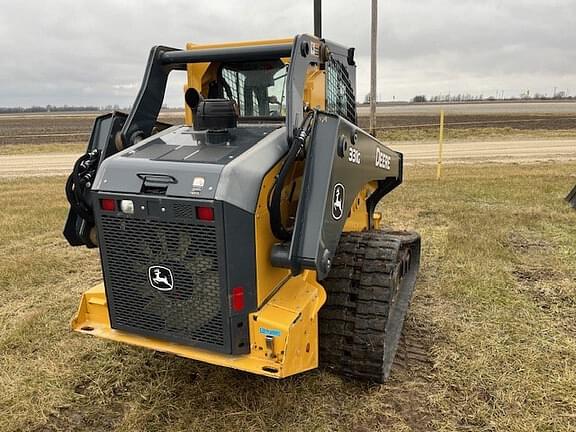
{"x": 246, "y": 237}
{"x": 287, "y": 305}
{"x": 292, "y": 313}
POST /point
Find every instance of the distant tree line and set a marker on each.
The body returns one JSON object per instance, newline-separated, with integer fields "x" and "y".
{"x": 67, "y": 108}
{"x": 471, "y": 98}
{"x": 52, "y": 108}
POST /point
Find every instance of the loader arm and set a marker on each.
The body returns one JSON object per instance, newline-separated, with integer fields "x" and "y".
{"x": 340, "y": 160}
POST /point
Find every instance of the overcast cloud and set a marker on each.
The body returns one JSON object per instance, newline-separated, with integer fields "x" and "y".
{"x": 93, "y": 52}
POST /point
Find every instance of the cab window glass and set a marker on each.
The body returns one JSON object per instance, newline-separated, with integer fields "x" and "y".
{"x": 257, "y": 88}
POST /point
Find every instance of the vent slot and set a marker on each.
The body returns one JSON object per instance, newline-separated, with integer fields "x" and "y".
{"x": 184, "y": 211}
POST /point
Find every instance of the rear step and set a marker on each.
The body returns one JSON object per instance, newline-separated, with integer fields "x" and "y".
{"x": 369, "y": 290}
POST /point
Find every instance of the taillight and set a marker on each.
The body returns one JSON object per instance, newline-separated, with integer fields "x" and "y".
{"x": 108, "y": 204}
{"x": 205, "y": 213}
{"x": 237, "y": 298}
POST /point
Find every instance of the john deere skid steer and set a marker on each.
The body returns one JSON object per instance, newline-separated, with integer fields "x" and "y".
{"x": 249, "y": 236}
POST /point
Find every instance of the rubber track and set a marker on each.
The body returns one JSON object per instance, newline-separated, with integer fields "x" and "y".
{"x": 361, "y": 286}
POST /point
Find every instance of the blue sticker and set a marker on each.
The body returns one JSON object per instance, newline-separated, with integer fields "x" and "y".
{"x": 270, "y": 332}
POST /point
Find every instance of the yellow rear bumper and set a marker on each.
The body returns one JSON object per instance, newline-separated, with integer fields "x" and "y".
{"x": 289, "y": 320}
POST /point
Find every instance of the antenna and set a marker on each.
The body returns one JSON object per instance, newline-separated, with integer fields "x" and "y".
{"x": 318, "y": 18}
{"x": 373, "y": 66}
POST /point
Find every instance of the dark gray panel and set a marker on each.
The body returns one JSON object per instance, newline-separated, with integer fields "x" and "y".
{"x": 151, "y": 150}
{"x": 216, "y": 155}
{"x": 239, "y": 238}
{"x": 240, "y": 180}
{"x": 242, "y": 166}
{"x": 341, "y": 159}
{"x": 187, "y": 145}
{"x": 124, "y": 175}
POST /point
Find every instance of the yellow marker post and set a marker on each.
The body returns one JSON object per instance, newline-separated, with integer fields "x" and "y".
{"x": 440, "y": 146}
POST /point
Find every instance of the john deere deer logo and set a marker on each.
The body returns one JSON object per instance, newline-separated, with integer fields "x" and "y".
{"x": 338, "y": 201}
{"x": 161, "y": 278}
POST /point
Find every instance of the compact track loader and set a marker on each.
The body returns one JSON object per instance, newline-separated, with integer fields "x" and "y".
{"x": 249, "y": 236}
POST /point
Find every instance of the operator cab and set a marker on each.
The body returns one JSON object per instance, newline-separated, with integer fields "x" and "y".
{"x": 257, "y": 89}
{"x": 245, "y": 93}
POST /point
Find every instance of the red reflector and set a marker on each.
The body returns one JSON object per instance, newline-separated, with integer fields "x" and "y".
{"x": 237, "y": 298}
{"x": 108, "y": 204}
{"x": 205, "y": 213}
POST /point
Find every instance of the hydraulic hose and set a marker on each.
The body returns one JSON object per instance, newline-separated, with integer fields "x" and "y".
{"x": 275, "y": 208}
{"x": 79, "y": 182}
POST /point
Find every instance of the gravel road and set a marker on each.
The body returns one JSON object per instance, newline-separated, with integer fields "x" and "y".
{"x": 497, "y": 151}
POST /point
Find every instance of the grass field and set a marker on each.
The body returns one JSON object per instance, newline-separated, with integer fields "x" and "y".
{"x": 23, "y": 149}
{"x": 495, "y": 311}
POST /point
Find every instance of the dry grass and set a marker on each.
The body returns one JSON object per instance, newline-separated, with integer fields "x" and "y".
{"x": 495, "y": 310}
{"x": 389, "y": 135}
{"x": 21, "y": 149}
{"x": 473, "y": 134}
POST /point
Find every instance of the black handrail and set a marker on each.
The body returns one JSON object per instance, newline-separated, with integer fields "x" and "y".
{"x": 231, "y": 54}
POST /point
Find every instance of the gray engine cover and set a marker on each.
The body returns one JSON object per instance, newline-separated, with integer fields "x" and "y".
{"x": 232, "y": 171}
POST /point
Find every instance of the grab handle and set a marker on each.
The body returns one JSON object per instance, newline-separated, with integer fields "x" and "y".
{"x": 157, "y": 178}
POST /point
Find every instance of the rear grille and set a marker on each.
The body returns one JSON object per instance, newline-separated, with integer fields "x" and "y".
{"x": 340, "y": 97}
{"x": 191, "y": 312}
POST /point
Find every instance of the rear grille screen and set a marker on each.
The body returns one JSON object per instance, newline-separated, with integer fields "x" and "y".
{"x": 191, "y": 311}
{"x": 340, "y": 97}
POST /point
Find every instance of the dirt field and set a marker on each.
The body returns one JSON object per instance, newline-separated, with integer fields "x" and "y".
{"x": 464, "y": 121}
{"x": 74, "y": 128}
{"x": 58, "y": 128}
{"x": 493, "y": 321}
{"x": 474, "y": 108}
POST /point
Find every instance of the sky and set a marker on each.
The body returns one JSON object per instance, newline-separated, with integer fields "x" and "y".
{"x": 81, "y": 52}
